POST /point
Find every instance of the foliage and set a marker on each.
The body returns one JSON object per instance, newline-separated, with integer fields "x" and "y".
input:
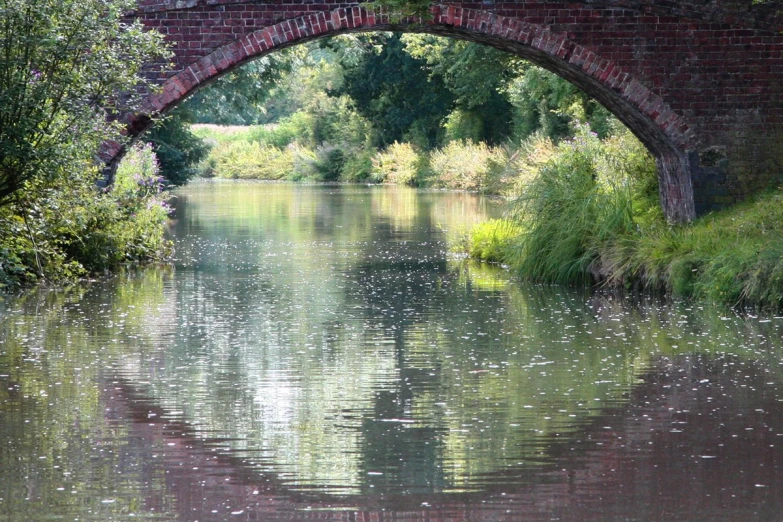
{"x": 358, "y": 166}
{"x": 587, "y": 212}
{"x": 250, "y": 160}
{"x": 381, "y": 83}
{"x": 475, "y": 76}
{"x": 241, "y": 96}
{"x": 546, "y": 104}
{"x": 573, "y": 198}
{"x": 731, "y": 257}
{"x": 491, "y": 241}
{"x": 399, "y": 9}
{"x": 468, "y": 166}
{"x": 178, "y": 150}
{"x": 399, "y": 164}
{"x": 61, "y": 66}
{"x": 58, "y": 232}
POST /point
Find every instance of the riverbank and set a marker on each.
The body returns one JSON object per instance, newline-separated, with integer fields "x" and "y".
{"x": 272, "y": 152}
{"x": 589, "y": 215}
{"x": 60, "y": 232}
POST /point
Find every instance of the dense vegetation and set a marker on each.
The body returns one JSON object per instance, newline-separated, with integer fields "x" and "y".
{"x": 61, "y": 66}
{"x": 385, "y": 107}
{"x": 587, "y": 212}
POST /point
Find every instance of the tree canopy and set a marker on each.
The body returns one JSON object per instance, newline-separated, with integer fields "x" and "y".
{"x": 67, "y": 67}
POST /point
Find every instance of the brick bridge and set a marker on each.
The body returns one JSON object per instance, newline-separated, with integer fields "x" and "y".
{"x": 700, "y": 82}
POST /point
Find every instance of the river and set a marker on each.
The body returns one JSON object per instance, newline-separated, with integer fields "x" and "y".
{"x": 317, "y": 353}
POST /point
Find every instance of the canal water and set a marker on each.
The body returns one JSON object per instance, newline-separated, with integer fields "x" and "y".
{"x": 317, "y": 353}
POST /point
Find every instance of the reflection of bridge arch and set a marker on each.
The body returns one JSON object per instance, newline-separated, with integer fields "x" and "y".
{"x": 684, "y": 447}
{"x": 682, "y": 78}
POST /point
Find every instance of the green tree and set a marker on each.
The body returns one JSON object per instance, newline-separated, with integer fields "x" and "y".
{"x": 241, "y": 96}
{"x": 179, "y": 151}
{"x": 476, "y": 76}
{"x": 543, "y": 102}
{"x": 67, "y": 67}
{"x": 392, "y": 89}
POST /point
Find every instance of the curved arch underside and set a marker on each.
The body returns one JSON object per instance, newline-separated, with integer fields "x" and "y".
{"x": 642, "y": 65}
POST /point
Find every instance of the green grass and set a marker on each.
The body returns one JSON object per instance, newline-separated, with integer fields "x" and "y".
{"x": 586, "y": 212}
{"x": 734, "y": 256}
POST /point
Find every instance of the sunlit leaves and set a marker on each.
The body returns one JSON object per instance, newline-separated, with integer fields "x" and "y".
{"x": 67, "y": 68}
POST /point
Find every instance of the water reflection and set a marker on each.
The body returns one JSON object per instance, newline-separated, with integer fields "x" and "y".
{"x": 317, "y": 354}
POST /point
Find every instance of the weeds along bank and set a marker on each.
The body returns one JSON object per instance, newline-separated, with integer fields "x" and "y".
{"x": 57, "y": 232}
{"x": 586, "y": 211}
{"x": 276, "y": 152}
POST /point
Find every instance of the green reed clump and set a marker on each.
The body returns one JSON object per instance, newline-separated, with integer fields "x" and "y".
{"x": 491, "y": 241}
{"x": 587, "y": 212}
{"x": 579, "y": 199}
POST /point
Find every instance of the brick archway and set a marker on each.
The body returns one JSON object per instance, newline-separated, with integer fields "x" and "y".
{"x": 603, "y": 49}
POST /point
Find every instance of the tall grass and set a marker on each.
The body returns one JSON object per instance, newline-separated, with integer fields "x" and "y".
{"x": 734, "y": 256}
{"x": 573, "y": 204}
{"x": 586, "y": 212}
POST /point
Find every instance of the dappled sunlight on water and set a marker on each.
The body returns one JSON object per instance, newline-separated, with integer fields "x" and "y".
{"x": 316, "y": 353}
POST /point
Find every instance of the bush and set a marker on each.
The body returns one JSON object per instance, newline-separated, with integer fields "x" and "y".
{"x": 330, "y": 160}
{"x": 358, "y": 166}
{"x": 469, "y": 166}
{"x": 399, "y": 164}
{"x": 492, "y": 241}
{"x": 250, "y": 160}
{"x": 178, "y": 150}
{"x": 59, "y": 232}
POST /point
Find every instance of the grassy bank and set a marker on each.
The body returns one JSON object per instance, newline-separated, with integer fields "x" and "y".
{"x": 586, "y": 211}
{"x": 58, "y": 232}
{"x": 278, "y": 152}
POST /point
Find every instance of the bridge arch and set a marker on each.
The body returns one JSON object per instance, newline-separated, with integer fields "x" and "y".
{"x": 636, "y": 101}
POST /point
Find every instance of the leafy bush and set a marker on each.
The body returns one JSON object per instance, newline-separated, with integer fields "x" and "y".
{"x": 250, "y": 160}
{"x": 61, "y": 232}
{"x": 358, "y": 165}
{"x": 468, "y": 166}
{"x": 178, "y": 149}
{"x": 330, "y": 160}
{"x": 399, "y": 164}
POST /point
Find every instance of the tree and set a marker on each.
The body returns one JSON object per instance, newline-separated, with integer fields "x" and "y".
{"x": 392, "y": 89}
{"x": 68, "y": 69}
{"x": 240, "y": 97}
{"x": 178, "y": 150}
{"x": 477, "y": 76}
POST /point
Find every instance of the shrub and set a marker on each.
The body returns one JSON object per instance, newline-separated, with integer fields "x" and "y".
{"x": 468, "y": 166}
{"x": 492, "y": 241}
{"x": 61, "y": 232}
{"x": 358, "y": 165}
{"x": 178, "y": 149}
{"x": 399, "y": 164}
{"x": 250, "y": 160}
{"x": 330, "y": 160}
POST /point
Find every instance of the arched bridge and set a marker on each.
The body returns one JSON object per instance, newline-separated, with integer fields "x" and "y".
{"x": 700, "y": 82}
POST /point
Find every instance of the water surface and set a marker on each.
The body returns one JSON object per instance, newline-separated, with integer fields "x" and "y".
{"x": 316, "y": 353}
